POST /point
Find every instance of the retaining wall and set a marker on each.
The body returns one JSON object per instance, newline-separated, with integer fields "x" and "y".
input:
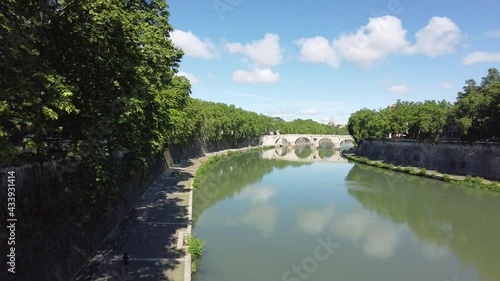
{"x": 479, "y": 159}
{"x": 51, "y": 241}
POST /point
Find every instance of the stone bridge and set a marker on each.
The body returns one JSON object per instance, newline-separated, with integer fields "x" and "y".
{"x": 314, "y": 140}
{"x": 299, "y": 154}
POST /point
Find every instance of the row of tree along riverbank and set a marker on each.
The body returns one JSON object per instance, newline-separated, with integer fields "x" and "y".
{"x": 474, "y": 116}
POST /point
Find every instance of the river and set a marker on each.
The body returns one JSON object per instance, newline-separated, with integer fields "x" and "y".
{"x": 267, "y": 219}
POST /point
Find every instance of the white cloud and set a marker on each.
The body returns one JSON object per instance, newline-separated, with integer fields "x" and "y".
{"x": 492, "y": 34}
{"x": 192, "y": 78}
{"x": 264, "y": 53}
{"x": 439, "y": 37}
{"x": 402, "y": 89}
{"x": 479, "y": 57}
{"x": 256, "y": 76}
{"x": 446, "y": 85}
{"x": 318, "y": 50}
{"x": 380, "y": 38}
{"x": 310, "y": 111}
{"x": 192, "y": 45}
{"x": 374, "y": 41}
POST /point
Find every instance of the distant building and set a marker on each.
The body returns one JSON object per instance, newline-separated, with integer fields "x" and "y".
{"x": 340, "y": 126}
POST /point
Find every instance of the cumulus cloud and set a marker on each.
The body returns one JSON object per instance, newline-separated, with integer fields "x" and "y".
{"x": 439, "y": 37}
{"x": 318, "y": 50}
{"x": 401, "y": 89}
{"x": 264, "y": 53}
{"x": 380, "y": 38}
{"x": 480, "y": 57}
{"x": 446, "y": 85}
{"x": 492, "y": 34}
{"x": 192, "y": 78}
{"x": 192, "y": 45}
{"x": 256, "y": 76}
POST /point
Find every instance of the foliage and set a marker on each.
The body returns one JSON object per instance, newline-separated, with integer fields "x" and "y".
{"x": 469, "y": 181}
{"x": 476, "y": 115}
{"x": 447, "y": 178}
{"x": 195, "y": 247}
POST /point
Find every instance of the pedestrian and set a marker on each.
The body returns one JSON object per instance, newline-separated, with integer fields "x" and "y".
{"x": 125, "y": 261}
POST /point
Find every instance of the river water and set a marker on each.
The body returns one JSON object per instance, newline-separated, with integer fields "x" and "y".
{"x": 311, "y": 215}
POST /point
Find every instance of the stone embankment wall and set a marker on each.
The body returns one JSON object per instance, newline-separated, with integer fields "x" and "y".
{"x": 479, "y": 159}
{"x": 51, "y": 241}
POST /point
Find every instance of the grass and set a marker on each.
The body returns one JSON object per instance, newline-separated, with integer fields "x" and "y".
{"x": 195, "y": 248}
{"x": 469, "y": 181}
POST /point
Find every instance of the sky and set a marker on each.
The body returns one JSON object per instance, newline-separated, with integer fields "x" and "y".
{"x": 324, "y": 60}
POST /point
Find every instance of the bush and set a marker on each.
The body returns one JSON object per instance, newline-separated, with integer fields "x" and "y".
{"x": 446, "y": 178}
{"x": 400, "y": 169}
{"x": 422, "y": 172}
{"x": 411, "y": 171}
{"x": 390, "y": 167}
{"x": 378, "y": 164}
{"x": 195, "y": 247}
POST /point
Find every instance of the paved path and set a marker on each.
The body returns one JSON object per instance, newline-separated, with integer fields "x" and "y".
{"x": 150, "y": 233}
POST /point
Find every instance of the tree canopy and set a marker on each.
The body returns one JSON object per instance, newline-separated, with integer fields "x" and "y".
{"x": 475, "y": 116}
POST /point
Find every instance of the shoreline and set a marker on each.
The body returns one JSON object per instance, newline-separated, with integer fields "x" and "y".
{"x": 200, "y": 164}
{"x": 465, "y": 181}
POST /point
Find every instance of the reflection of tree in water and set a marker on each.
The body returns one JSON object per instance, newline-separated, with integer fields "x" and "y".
{"x": 325, "y": 153}
{"x": 465, "y": 220}
{"x": 303, "y": 151}
{"x": 230, "y": 175}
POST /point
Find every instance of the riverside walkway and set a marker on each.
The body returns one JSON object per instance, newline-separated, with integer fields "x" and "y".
{"x": 152, "y": 232}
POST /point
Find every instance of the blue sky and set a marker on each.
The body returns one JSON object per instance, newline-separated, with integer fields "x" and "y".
{"x": 323, "y": 60}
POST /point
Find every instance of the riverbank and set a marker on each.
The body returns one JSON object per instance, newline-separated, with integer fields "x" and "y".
{"x": 479, "y": 159}
{"x": 466, "y": 181}
{"x": 154, "y": 232}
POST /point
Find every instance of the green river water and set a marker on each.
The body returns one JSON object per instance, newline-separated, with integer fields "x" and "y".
{"x": 314, "y": 216}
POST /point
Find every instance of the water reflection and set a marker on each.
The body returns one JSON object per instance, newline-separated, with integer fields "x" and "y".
{"x": 303, "y": 151}
{"x": 406, "y": 226}
{"x": 326, "y": 153}
{"x": 229, "y": 177}
{"x": 314, "y": 222}
{"x": 281, "y": 151}
{"x": 377, "y": 238}
{"x": 262, "y": 215}
{"x": 441, "y": 215}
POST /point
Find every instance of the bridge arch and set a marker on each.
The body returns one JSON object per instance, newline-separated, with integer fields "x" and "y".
{"x": 326, "y": 143}
{"x": 303, "y": 141}
{"x": 281, "y": 142}
{"x": 347, "y": 141}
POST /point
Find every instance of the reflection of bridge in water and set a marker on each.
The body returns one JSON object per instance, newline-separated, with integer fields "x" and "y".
{"x": 304, "y": 154}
